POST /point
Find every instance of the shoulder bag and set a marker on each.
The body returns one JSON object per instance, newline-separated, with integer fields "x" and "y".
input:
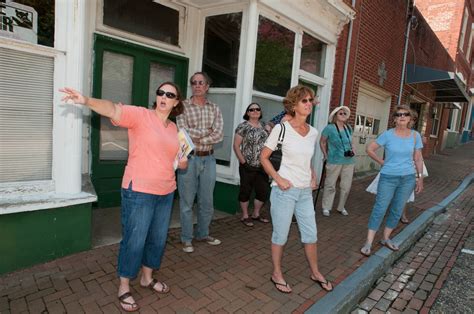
{"x": 276, "y": 156}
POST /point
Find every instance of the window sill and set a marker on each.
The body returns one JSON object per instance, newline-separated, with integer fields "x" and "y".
{"x": 30, "y": 202}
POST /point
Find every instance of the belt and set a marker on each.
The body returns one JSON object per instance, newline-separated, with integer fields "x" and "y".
{"x": 203, "y": 153}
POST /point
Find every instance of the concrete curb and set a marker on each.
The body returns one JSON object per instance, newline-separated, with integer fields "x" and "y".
{"x": 356, "y": 286}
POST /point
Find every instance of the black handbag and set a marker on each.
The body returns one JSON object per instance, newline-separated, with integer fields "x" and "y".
{"x": 275, "y": 157}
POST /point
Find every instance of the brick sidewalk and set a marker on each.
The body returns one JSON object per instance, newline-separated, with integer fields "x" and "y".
{"x": 414, "y": 282}
{"x": 232, "y": 277}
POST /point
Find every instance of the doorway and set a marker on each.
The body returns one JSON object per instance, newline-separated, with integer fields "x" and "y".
{"x": 130, "y": 74}
{"x": 126, "y": 73}
{"x": 373, "y": 108}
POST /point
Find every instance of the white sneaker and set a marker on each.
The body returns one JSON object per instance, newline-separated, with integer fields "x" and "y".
{"x": 343, "y": 212}
{"x": 326, "y": 212}
{"x": 211, "y": 241}
{"x": 188, "y": 247}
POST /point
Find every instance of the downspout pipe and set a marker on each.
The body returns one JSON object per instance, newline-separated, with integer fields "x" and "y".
{"x": 407, "y": 35}
{"x": 346, "y": 62}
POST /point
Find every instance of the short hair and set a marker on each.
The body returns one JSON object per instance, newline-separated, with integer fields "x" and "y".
{"x": 413, "y": 115}
{"x": 176, "y": 111}
{"x": 246, "y": 116}
{"x": 294, "y": 95}
{"x": 206, "y": 77}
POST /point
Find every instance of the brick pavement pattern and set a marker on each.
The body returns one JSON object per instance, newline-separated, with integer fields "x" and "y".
{"x": 232, "y": 277}
{"x": 414, "y": 282}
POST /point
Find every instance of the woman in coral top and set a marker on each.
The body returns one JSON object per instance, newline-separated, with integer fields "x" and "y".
{"x": 148, "y": 183}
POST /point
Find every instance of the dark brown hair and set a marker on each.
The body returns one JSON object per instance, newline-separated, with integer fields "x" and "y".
{"x": 179, "y": 108}
{"x": 246, "y": 115}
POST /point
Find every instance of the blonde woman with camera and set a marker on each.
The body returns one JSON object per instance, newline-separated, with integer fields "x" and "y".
{"x": 336, "y": 145}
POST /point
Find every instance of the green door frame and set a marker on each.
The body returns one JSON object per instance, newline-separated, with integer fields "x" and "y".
{"x": 107, "y": 174}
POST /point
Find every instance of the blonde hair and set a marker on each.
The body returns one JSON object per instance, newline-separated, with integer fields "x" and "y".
{"x": 294, "y": 95}
{"x": 413, "y": 115}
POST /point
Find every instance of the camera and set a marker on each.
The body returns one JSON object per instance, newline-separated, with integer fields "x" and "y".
{"x": 348, "y": 153}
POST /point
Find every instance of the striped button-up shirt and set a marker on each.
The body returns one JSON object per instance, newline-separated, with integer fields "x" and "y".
{"x": 202, "y": 122}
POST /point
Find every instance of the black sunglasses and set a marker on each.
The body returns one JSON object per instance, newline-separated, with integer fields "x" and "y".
{"x": 169, "y": 95}
{"x": 402, "y": 114}
{"x": 342, "y": 113}
{"x": 254, "y": 109}
{"x": 306, "y": 100}
{"x": 198, "y": 83}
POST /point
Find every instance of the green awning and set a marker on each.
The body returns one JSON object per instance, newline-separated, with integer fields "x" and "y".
{"x": 448, "y": 86}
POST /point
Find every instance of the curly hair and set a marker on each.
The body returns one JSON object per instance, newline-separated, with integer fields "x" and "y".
{"x": 413, "y": 115}
{"x": 294, "y": 95}
{"x": 179, "y": 108}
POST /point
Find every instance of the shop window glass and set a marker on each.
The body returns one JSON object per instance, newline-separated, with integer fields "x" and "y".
{"x": 313, "y": 54}
{"x": 143, "y": 17}
{"x": 274, "y": 58}
{"x": 28, "y": 20}
{"x": 221, "y": 48}
{"x": 116, "y": 86}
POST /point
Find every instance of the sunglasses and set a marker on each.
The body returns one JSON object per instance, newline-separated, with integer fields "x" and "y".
{"x": 169, "y": 95}
{"x": 402, "y": 114}
{"x": 306, "y": 100}
{"x": 254, "y": 109}
{"x": 342, "y": 113}
{"x": 201, "y": 83}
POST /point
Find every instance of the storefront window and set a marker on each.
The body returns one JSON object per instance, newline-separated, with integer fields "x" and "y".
{"x": 28, "y": 20}
{"x": 221, "y": 48}
{"x": 274, "y": 58}
{"x": 313, "y": 55}
{"x": 143, "y": 17}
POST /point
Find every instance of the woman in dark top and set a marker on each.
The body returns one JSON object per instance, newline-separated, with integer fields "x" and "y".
{"x": 249, "y": 138}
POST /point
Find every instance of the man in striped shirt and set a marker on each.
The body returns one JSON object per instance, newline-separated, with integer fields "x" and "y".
{"x": 204, "y": 124}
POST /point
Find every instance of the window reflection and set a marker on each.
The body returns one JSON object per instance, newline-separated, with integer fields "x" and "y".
{"x": 274, "y": 58}
{"x": 313, "y": 54}
{"x": 143, "y": 17}
{"x": 221, "y": 48}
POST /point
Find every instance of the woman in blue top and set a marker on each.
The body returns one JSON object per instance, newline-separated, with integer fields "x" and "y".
{"x": 400, "y": 174}
{"x": 336, "y": 145}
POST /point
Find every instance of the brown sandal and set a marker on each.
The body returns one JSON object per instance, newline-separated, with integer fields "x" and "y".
{"x": 247, "y": 221}
{"x": 133, "y": 306}
{"x": 261, "y": 219}
{"x": 151, "y": 286}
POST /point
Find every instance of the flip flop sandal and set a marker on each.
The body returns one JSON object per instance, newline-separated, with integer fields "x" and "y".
{"x": 321, "y": 283}
{"x": 164, "y": 287}
{"x": 366, "y": 249}
{"x": 129, "y": 307}
{"x": 247, "y": 221}
{"x": 404, "y": 221}
{"x": 279, "y": 284}
{"x": 389, "y": 244}
{"x": 261, "y": 219}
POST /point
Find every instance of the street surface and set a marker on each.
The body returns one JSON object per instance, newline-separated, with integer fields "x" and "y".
{"x": 235, "y": 276}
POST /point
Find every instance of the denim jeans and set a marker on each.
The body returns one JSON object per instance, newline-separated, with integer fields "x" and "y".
{"x": 145, "y": 221}
{"x": 286, "y": 203}
{"x": 393, "y": 191}
{"x": 198, "y": 178}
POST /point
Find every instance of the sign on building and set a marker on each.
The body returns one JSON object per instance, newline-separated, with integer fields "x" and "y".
{"x": 18, "y": 21}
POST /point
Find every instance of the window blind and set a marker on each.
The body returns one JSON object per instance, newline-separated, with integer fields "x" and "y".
{"x": 26, "y": 116}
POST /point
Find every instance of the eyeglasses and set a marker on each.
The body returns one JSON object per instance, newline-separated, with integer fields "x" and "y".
{"x": 254, "y": 109}
{"x": 169, "y": 95}
{"x": 201, "y": 83}
{"x": 342, "y": 113}
{"x": 306, "y": 100}
{"x": 402, "y": 114}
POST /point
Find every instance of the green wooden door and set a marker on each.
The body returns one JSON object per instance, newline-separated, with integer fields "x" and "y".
{"x": 130, "y": 74}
